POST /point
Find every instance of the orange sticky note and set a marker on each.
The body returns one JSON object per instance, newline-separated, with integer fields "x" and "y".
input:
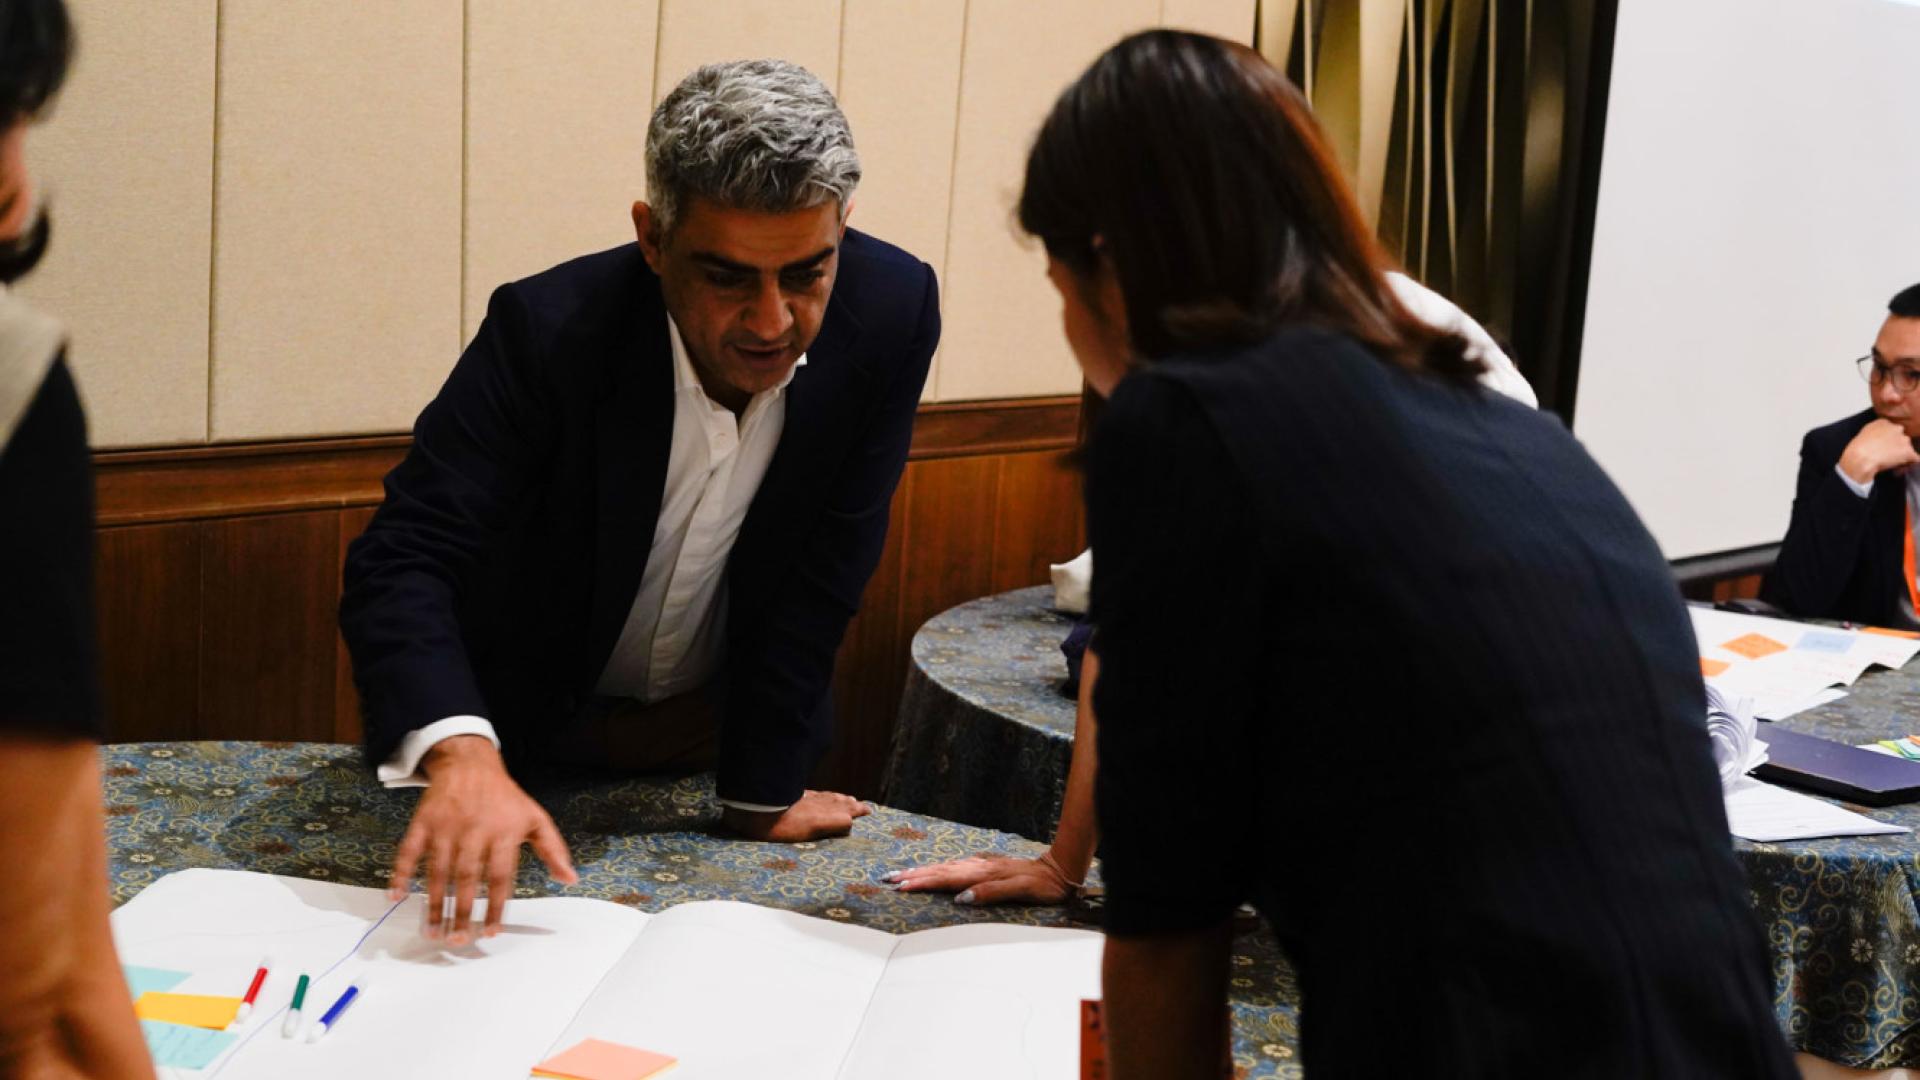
{"x": 1754, "y": 646}
{"x": 1884, "y": 632}
{"x": 1711, "y": 668}
{"x": 594, "y": 1059}
{"x": 193, "y": 1010}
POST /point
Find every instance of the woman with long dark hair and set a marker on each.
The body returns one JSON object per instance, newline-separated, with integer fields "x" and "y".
{"x": 1380, "y": 651}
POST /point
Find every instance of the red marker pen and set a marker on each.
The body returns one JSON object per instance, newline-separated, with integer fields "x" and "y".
{"x": 253, "y": 989}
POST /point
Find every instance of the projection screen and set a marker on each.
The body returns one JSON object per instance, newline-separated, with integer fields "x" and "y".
{"x": 1759, "y": 203}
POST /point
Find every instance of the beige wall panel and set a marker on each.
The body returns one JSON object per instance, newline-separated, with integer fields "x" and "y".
{"x": 1230, "y": 19}
{"x": 900, "y": 88}
{"x": 128, "y": 157}
{"x": 558, "y": 97}
{"x": 1002, "y": 333}
{"x": 1276, "y": 19}
{"x": 695, "y": 32}
{"x": 336, "y": 285}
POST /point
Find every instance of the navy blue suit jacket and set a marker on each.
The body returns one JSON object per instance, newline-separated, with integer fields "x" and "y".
{"x": 499, "y": 571}
{"x": 1843, "y": 555}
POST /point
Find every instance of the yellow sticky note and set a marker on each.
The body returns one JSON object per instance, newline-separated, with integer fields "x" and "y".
{"x": 593, "y": 1059}
{"x": 1710, "y": 668}
{"x": 193, "y": 1010}
{"x": 1754, "y": 646}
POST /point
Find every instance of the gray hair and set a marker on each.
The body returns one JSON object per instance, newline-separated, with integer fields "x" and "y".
{"x": 751, "y": 135}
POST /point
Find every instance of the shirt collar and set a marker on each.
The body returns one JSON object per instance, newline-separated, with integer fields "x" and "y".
{"x": 686, "y": 381}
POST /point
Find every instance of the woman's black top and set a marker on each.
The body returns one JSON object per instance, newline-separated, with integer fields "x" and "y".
{"x": 1392, "y": 658}
{"x": 48, "y": 682}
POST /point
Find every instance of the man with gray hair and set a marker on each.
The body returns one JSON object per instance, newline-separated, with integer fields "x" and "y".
{"x": 636, "y": 520}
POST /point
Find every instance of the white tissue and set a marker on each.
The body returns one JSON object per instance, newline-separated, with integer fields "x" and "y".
{"x": 1073, "y": 584}
{"x": 1731, "y": 727}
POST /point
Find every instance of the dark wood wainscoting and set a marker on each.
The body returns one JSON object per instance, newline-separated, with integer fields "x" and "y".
{"x": 219, "y": 573}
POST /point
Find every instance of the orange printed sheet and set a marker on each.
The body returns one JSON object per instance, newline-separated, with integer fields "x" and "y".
{"x": 1884, "y": 632}
{"x": 1754, "y": 646}
{"x": 1710, "y": 668}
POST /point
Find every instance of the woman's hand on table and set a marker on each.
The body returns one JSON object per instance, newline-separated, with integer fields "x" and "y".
{"x": 989, "y": 879}
{"x": 469, "y": 826}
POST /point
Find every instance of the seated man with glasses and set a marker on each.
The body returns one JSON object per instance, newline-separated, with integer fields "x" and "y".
{"x": 1849, "y": 552}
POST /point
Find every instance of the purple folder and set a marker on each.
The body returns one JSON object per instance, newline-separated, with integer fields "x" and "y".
{"x": 1836, "y": 769}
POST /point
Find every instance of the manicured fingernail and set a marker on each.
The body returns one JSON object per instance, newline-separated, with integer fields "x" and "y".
{"x": 394, "y": 894}
{"x": 493, "y": 931}
{"x": 457, "y": 938}
{"x": 964, "y": 898}
{"x": 431, "y": 932}
{"x": 895, "y": 876}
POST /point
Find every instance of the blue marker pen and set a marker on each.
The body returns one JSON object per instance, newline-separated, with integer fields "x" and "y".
{"x": 332, "y": 1015}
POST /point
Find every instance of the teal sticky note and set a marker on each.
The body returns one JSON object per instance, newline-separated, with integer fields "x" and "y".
{"x": 159, "y": 980}
{"x": 182, "y": 1047}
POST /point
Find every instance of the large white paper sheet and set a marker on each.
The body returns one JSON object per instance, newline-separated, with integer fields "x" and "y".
{"x": 1765, "y": 813}
{"x": 732, "y": 990}
{"x": 943, "y": 988}
{"x": 485, "y": 1010}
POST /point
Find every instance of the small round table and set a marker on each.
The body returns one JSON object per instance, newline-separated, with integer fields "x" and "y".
{"x": 314, "y": 810}
{"x": 985, "y": 737}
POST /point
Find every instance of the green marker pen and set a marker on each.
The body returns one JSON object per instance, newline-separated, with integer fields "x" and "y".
{"x": 292, "y": 1025}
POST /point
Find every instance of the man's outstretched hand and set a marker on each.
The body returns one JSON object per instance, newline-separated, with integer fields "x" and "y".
{"x": 469, "y": 826}
{"x": 818, "y": 814}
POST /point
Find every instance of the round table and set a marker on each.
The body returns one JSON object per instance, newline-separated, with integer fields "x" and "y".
{"x": 314, "y": 810}
{"x": 985, "y": 737}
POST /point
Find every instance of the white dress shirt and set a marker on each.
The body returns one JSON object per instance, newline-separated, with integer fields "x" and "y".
{"x": 1855, "y": 486}
{"x": 675, "y": 636}
{"x": 1443, "y": 314}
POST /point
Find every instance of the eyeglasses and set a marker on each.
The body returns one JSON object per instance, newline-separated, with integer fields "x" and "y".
{"x": 1905, "y": 377}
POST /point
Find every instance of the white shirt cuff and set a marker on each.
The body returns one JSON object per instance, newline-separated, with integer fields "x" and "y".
{"x": 403, "y": 768}
{"x": 753, "y": 808}
{"x": 1855, "y": 486}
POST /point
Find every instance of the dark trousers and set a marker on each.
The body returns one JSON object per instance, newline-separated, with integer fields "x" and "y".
{"x": 621, "y": 735}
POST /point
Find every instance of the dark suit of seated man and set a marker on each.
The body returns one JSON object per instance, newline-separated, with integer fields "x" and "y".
{"x": 1849, "y": 547}
{"x": 637, "y": 518}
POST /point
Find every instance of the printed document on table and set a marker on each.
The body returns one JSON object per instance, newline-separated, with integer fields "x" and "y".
{"x": 1781, "y": 712}
{"x": 1782, "y": 666}
{"x": 1765, "y": 813}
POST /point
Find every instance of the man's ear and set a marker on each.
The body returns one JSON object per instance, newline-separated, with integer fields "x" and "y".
{"x": 647, "y": 235}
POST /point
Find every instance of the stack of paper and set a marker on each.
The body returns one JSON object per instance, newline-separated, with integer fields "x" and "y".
{"x": 1763, "y": 812}
{"x": 1784, "y": 667}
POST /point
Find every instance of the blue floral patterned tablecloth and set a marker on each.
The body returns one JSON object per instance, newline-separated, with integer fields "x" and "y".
{"x": 984, "y": 737}
{"x": 314, "y": 810}
{"x": 984, "y": 734}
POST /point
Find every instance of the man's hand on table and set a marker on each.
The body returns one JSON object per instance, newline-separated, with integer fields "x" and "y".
{"x": 1881, "y": 445}
{"x": 469, "y": 826}
{"x": 818, "y": 814}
